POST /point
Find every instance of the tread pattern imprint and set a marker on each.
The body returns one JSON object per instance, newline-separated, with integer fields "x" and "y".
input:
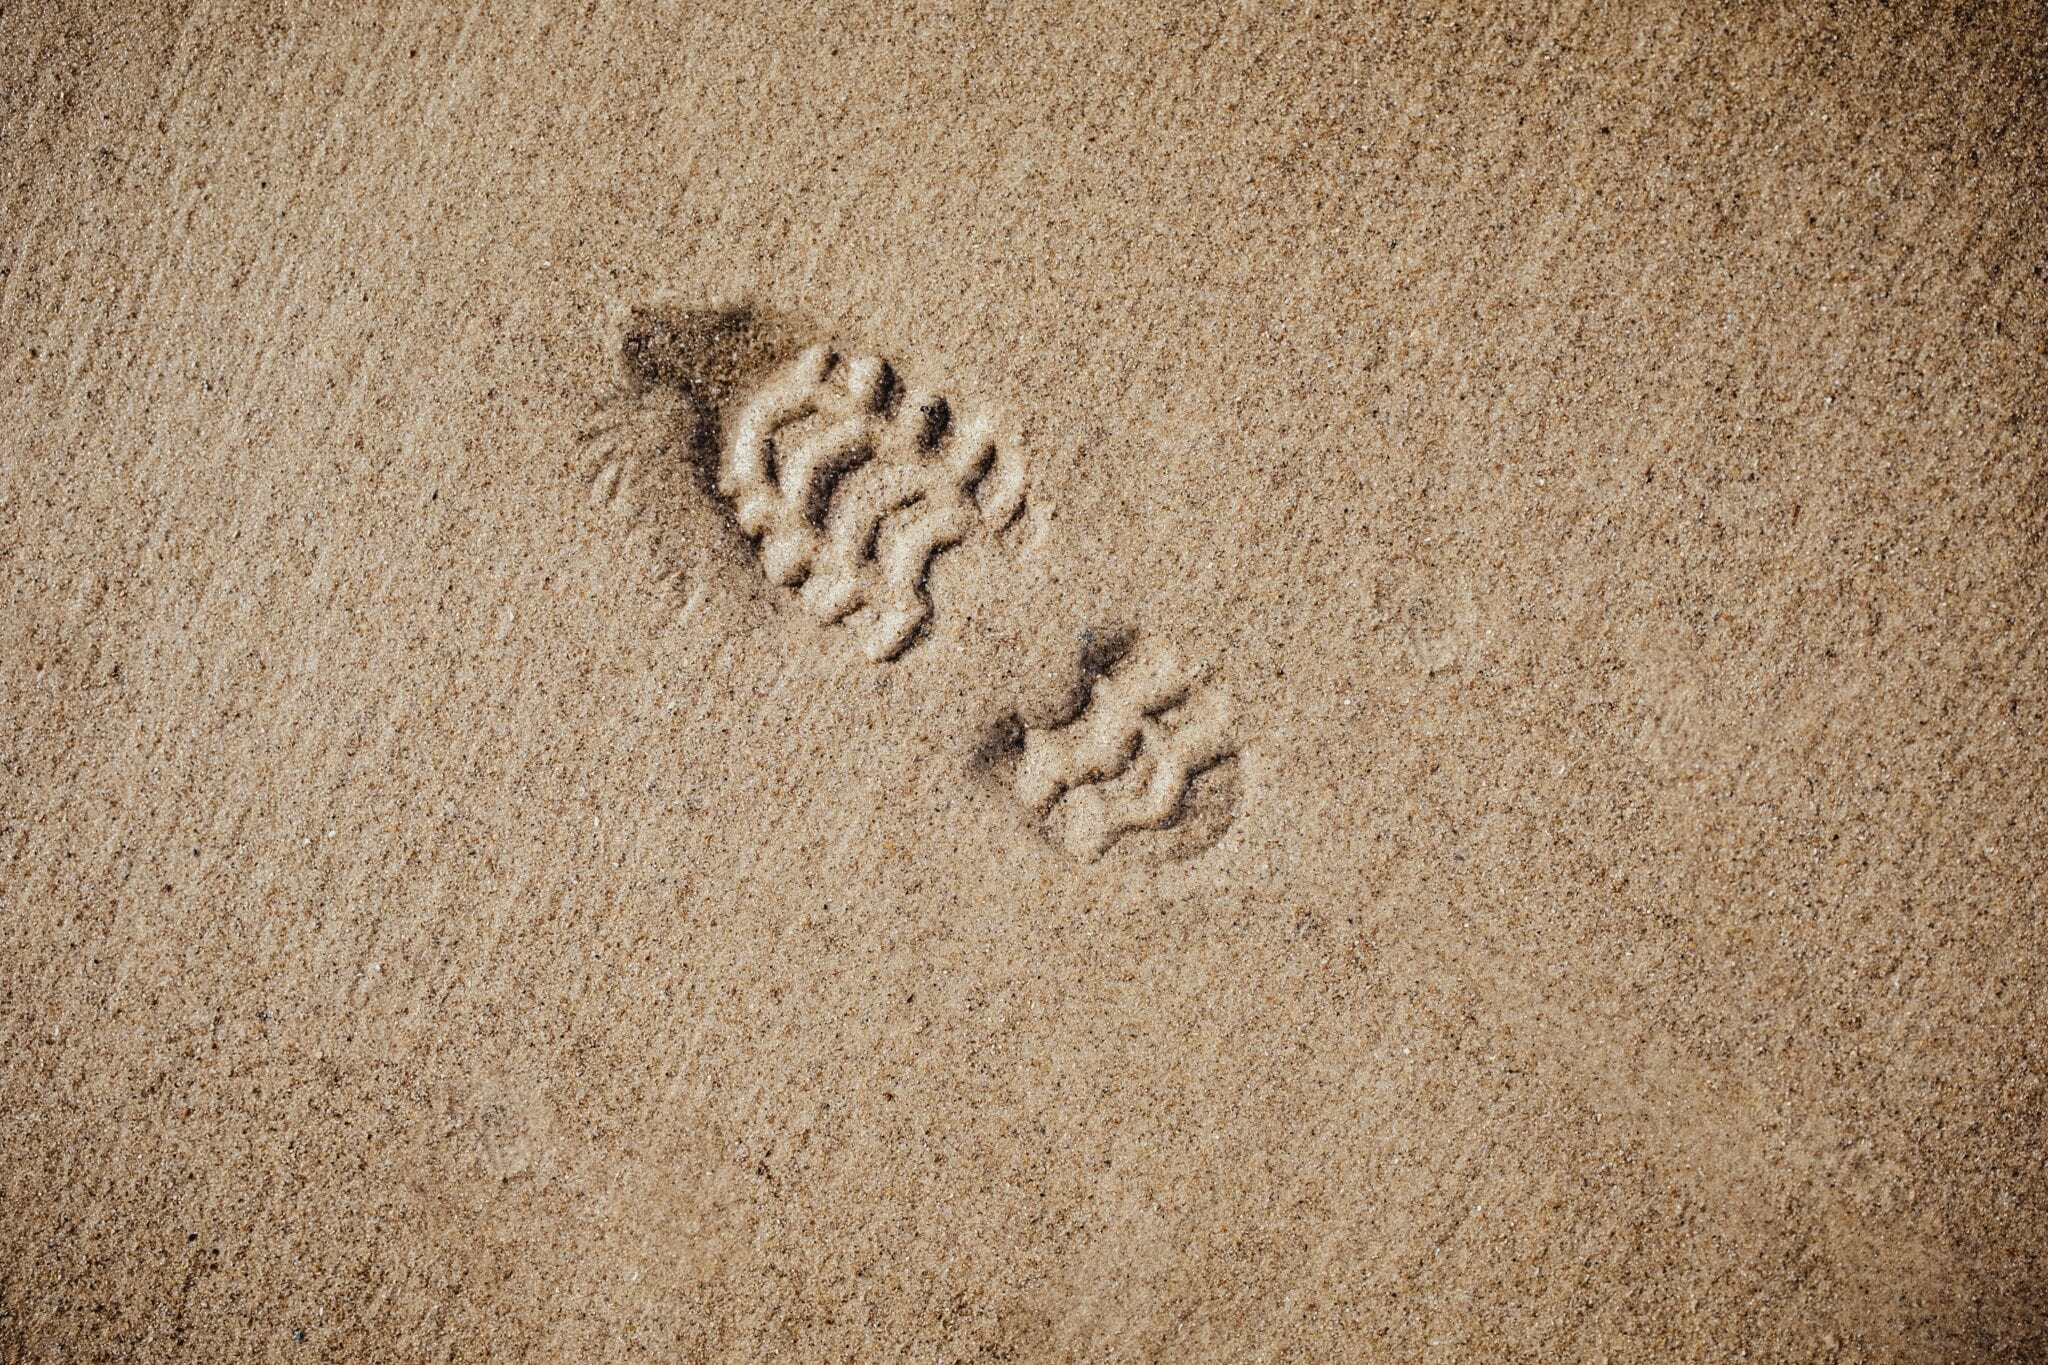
{"x": 853, "y": 485}
{"x": 848, "y": 483}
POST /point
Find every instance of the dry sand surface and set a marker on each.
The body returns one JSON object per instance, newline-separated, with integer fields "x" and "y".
{"x": 1087, "y": 683}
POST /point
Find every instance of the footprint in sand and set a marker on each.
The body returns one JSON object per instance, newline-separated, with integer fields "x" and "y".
{"x": 853, "y": 483}
{"x": 732, "y": 438}
{"x": 1136, "y": 748}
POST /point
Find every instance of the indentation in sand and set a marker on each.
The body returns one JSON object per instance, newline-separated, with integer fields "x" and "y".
{"x": 728, "y": 442}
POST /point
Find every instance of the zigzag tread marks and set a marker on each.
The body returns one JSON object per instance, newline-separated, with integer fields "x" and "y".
{"x": 853, "y": 486}
{"x": 1127, "y": 762}
{"x": 1175, "y": 757}
{"x": 850, "y": 484}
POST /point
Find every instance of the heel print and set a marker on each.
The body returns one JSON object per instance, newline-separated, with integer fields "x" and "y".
{"x": 1127, "y": 761}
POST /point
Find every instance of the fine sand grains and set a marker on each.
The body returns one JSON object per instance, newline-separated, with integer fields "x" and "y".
{"x": 1022, "y": 683}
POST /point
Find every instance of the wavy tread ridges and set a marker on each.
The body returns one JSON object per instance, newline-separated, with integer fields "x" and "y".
{"x": 853, "y": 486}
{"x": 844, "y": 485}
{"x": 1127, "y": 761}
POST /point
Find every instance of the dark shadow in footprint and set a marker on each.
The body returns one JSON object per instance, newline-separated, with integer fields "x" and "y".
{"x": 706, "y": 357}
{"x": 1056, "y": 695}
{"x": 1101, "y": 649}
{"x": 1055, "y": 692}
{"x": 649, "y": 455}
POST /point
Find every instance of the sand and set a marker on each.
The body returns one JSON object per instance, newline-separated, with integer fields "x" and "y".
{"x": 1404, "y": 719}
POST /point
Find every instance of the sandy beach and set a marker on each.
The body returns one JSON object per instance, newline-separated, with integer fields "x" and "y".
{"x": 1045, "y": 683}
